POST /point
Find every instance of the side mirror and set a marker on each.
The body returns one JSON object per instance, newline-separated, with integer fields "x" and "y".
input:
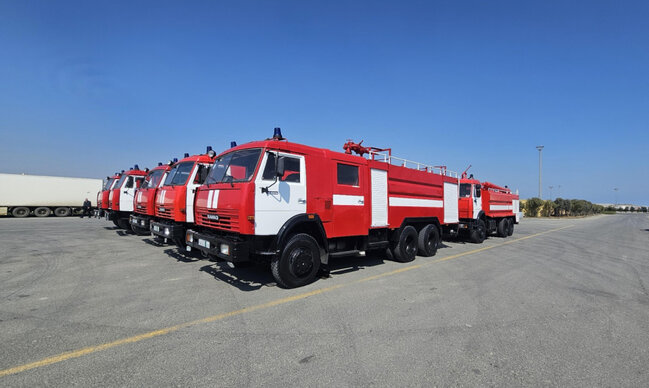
{"x": 281, "y": 166}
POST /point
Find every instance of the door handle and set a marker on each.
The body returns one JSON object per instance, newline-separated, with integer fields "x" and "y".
{"x": 300, "y": 200}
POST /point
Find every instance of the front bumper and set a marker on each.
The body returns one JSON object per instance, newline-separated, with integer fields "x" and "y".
{"x": 221, "y": 247}
{"x": 140, "y": 221}
{"x": 164, "y": 230}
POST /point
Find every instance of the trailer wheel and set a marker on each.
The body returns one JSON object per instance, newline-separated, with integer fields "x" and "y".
{"x": 20, "y": 212}
{"x": 428, "y": 241}
{"x": 510, "y": 228}
{"x": 406, "y": 248}
{"x": 62, "y": 211}
{"x": 479, "y": 233}
{"x": 42, "y": 211}
{"x": 501, "y": 230}
{"x": 299, "y": 262}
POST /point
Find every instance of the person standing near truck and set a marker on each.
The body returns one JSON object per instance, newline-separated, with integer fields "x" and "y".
{"x": 86, "y": 208}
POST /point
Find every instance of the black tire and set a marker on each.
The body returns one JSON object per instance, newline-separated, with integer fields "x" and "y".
{"x": 116, "y": 223}
{"x": 42, "y": 211}
{"x": 428, "y": 241}
{"x": 510, "y": 229}
{"x": 479, "y": 234}
{"x": 20, "y": 212}
{"x": 124, "y": 224}
{"x": 501, "y": 230}
{"x": 62, "y": 211}
{"x": 406, "y": 248}
{"x": 298, "y": 263}
{"x": 140, "y": 231}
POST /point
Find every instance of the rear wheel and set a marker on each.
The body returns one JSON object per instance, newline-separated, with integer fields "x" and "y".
{"x": 298, "y": 263}
{"x": 510, "y": 229}
{"x": 406, "y": 248}
{"x": 428, "y": 241}
{"x": 20, "y": 212}
{"x": 42, "y": 211}
{"x": 62, "y": 211}
{"x": 479, "y": 233}
{"x": 501, "y": 230}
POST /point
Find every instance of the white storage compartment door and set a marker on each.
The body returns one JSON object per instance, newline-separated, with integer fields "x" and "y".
{"x": 451, "y": 215}
{"x": 379, "y": 187}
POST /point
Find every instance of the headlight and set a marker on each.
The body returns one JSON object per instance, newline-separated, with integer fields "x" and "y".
{"x": 167, "y": 232}
{"x": 189, "y": 237}
{"x": 225, "y": 249}
{"x": 142, "y": 222}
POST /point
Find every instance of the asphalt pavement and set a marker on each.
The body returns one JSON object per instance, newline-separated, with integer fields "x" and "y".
{"x": 559, "y": 303}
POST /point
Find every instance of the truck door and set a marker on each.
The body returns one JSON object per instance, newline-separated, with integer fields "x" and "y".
{"x": 196, "y": 179}
{"x": 349, "y": 211}
{"x": 477, "y": 201}
{"x": 127, "y": 195}
{"x": 278, "y": 198}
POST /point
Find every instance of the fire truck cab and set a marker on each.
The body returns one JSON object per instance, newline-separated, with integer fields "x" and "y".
{"x": 144, "y": 206}
{"x": 486, "y": 208}
{"x": 174, "y": 203}
{"x": 102, "y": 196}
{"x": 294, "y": 206}
{"x": 120, "y": 198}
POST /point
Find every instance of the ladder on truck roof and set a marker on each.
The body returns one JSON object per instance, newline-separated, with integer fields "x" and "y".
{"x": 385, "y": 155}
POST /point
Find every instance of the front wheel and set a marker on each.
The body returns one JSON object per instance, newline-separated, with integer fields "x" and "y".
{"x": 124, "y": 224}
{"x": 298, "y": 263}
{"x": 479, "y": 233}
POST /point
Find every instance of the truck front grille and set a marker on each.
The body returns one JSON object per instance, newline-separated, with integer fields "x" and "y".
{"x": 227, "y": 219}
{"x": 164, "y": 211}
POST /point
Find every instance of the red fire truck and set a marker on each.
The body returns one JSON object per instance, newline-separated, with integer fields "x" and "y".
{"x": 120, "y": 198}
{"x": 295, "y": 206}
{"x": 174, "y": 204}
{"x": 144, "y": 206}
{"x": 486, "y": 208}
{"x": 102, "y": 196}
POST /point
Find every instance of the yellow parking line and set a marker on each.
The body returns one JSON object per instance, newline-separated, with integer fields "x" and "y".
{"x": 171, "y": 329}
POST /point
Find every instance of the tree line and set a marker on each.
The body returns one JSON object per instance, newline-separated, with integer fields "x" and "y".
{"x": 560, "y": 207}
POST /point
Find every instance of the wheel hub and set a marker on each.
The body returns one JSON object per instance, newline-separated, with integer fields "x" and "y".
{"x": 301, "y": 262}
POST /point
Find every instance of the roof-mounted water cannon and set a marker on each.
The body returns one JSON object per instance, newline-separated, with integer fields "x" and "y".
{"x": 350, "y": 147}
{"x": 210, "y": 152}
{"x": 464, "y": 172}
{"x": 234, "y": 143}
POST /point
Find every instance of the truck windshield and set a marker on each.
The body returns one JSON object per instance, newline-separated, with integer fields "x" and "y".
{"x": 237, "y": 166}
{"x": 465, "y": 190}
{"x": 109, "y": 183}
{"x": 153, "y": 179}
{"x": 179, "y": 174}
{"x": 121, "y": 180}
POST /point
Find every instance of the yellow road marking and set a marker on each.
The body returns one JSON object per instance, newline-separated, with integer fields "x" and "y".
{"x": 93, "y": 349}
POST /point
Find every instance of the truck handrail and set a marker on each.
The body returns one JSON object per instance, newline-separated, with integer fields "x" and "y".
{"x": 387, "y": 157}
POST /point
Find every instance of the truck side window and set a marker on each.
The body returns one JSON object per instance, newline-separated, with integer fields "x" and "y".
{"x": 291, "y": 166}
{"x": 138, "y": 182}
{"x": 347, "y": 174}
{"x": 477, "y": 192}
{"x": 465, "y": 190}
{"x": 129, "y": 182}
{"x": 201, "y": 174}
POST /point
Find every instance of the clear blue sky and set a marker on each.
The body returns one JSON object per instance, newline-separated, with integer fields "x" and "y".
{"x": 89, "y": 88}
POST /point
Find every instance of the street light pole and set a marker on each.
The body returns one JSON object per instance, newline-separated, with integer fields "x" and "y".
{"x": 540, "y": 148}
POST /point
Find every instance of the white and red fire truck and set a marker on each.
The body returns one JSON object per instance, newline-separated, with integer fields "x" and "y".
{"x": 486, "y": 208}
{"x": 144, "y": 206}
{"x": 174, "y": 203}
{"x": 120, "y": 197}
{"x": 295, "y": 206}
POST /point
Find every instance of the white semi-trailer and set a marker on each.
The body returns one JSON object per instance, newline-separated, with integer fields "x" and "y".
{"x": 22, "y": 195}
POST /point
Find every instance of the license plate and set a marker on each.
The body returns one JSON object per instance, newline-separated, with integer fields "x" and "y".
{"x": 156, "y": 228}
{"x": 203, "y": 243}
